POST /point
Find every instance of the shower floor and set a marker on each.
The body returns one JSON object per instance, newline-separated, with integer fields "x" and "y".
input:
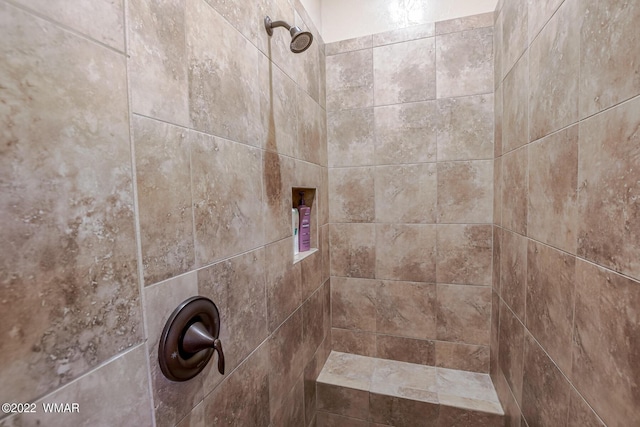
{"x": 361, "y": 391}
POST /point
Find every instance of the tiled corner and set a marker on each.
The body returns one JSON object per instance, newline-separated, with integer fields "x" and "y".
{"x": 515, "y": 190}
{"x": 513, "y": 271}
{"x": 515, "y": 98}
{"x": 511, "y": 350}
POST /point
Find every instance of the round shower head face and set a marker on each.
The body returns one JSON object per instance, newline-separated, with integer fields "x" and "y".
{"x": 300, "y": 40}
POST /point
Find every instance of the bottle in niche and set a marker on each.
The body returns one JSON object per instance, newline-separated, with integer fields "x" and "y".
{"x": 304, "y": 231}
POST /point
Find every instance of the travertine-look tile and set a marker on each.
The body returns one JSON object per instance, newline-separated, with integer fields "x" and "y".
{"x": 284, "y": 109}
{"x": 286, "y": 363}
{"x": 311, "y": 126}
{"x": 163, "y": 175}
{"x": 278, "y": 177}
{"x": 406, "y": 193}
{"x": 355, "y": 342}
{"x": 545, "y": 393}
{"x": 513, "y": 271}
{"x": 284, "y": 282}
{"x": 511, "y": 349}
{"x": 311, "y": 372}
{"x": 464, "y": 254}
{"x": 401, "y": 412}
{"x": 243, "y": 398}
{"x": 553, "y": 189}
{"x": 246, "y": 17}
{"x": 497, "y": 191}
{"x": 405, "y": 133}
{"x": 465, "y": 192}
{"x": 353, "y": 250}
{"x": 350, "y": 80}
{"x": 237, "y": 287}
{"x": 228, "y": 70}
{"x": 465, "y": 357}
{"x": 352, "y": 194}
{"x": 465, "y": 63}
{"x": 404, "y": 72}
{"x": 406, "y": 309}
{"x": 474, "y": 389}
{"x": 472, "y": 22}
{"x": 408, "y": 380}
{"x": 605, "y": 343}
{"x": 498, "y": 112}
{"x": 554, "y": 61}
{"x": 350, "y": 138}
{"x": 515, "y": 34}
{"x": 580, "y": 414}
{"x": 101, "y": 20}
{"x": 404, "y": 34}
{"x": 539, "y": 13}
{"x": 494, "y": 367}
{"x": 311, "y": 274}
{"x": 450, "y": 416}
{"x": 406, "y": 252}
{"x": 609, "y": 182}
{"x": 343, "y": 401}
{"x": 327, "y": 419}
{"x": 465, "y": 128}
{"x": 66, "y": 208}
{"x": 227, "y": 189}
{"x": 172, "y": 400}
{"x": 410, "y": 350}
{"x": 609, "y": 61}
{"x": 114, "y": 393}
{"x": 195, "y": 418}
{"x": 348, "y": 370}
{"x": 464, "y": 314}
{"x": 515, "y": 191}
{"x": 497, "y": 256}
{"x": 512, "y": 413}
{"x": 353, "y": 303}
{"x": 498, "y": 51}
{"x": 515, "y": 98}
{"x": 158, "y": 60}
{"x": 550, "y": 300}
{"x": 342, "y": 46}
{"x": 291, "y": 413}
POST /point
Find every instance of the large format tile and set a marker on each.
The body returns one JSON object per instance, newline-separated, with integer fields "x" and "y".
{"x": 278, "y": 177}
{"x": 465, "y": 63}
{"x": 465, "y": 192}
{"x": 348, "y": 45}
{"x": 350, "y": 138}
{"x": 545, "y": 394}
{"x": 158, "y": 60}
{"x": 581, "y": 414}
{"x": 605, "y": 343}
{"x": 284, "y": 282}
{"x": 352, "y": 341}
{"x": 291, "y": 413}
{"x": 404, "y": 72}
{"x": 284, "y": 109}
{"x": 404, "y": 34}
{"x": 553, "y": 189}
{"x": 513, "y": 271}
{"x": 406, "y": 252}
{"x": 539, "y": 13}
{"x": 227, "y": 197}
{"x": 465, "y": 128}
{"x": 348, "y": 370}
{"x": 554, "y": 61}
{"x": 350, "y": 80}
{"x": 464, "y": 254}
{"x": 465, "y": 357}
{"x": 246, "y": 17}
{"x": 608, "y": 182}
{"x": 422, "y": 352}
{"x": 511, "y": 350}
{"x": 405, "y": 133}
{"x": 353, "y": 250}
{"x": 401, "y": 412}
{"x": 415, "y": 382}
{"x": 66, "y": 210}
{"x": 464, "y": 314}
{"x": 609, "y": 61}
{"x": 311, "y": 138}
{"x": 515, "y": 35}
{"x": 353, "y": 303}
{"x": 515, "y": 190}
{"x": 163, "y": 175}
{"x": 406, "y": 193}
{"x": 223, "y": 65}
{"x": 406, "y": 309}
{"x": 472, "y": 22}
{"x": 515, "y": 98}
{"x": 550, "y": 300}
{"x": 352, "y": 194}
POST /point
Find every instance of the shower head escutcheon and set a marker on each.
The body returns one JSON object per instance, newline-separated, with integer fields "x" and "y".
{"x": 300, "y": 40}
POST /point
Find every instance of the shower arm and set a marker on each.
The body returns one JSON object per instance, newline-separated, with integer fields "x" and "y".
{"x": 275, "y": 24}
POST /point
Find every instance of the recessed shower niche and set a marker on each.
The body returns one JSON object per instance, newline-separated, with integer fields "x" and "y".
{"x": 304, "y": 223}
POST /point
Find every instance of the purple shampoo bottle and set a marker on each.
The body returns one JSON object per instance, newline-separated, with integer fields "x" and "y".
{"x": 305, "y": 225}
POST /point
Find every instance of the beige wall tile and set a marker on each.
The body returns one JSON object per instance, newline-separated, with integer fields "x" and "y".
{"x": 291, "y": 413}
{"x": 465, "y": 128}
{"x": 351, "y": 341}
{"x": 513, "y": 271}
{"x": 410, "y": 350}
{"x": 464, "y": 254}
{"x": 472, "y": 22}
{"x": 406, "y": 309}
{"x": 464, "y": 314}
{"x": 352, "y": 194}
{"x": 327, "y": 419}
{"x": 497, "y": 191}
{"x": 343, "y": 401}
{"x": 405, "y": 133}
{"x": 158, "y": 60}
{"x": 353, "y": 303}
{"x": 553, "y": 190}
{"x": 350, "y": 80}
{"x": 313, "y": 326}
{"x": 465, "y": 63}
{"x": 248, "y": 18}
{"x": 283, "y": 109}
{"x": 606, "y": 322}
{"x": 608, "y": 182}
{"x": 406, "y": 252}
{"x": 278, "y": 177}
{"x": 539, "y": 13}
{"x": 515, "y": 191}
{"x": 390, "y": 410}
{"x": 462, "y": 356}
{"x": 404, "y": 34}
{"x": 554, "y": 61}
{"x": 404, "y": 72}
{"x": 350, "y": 138}
{"x": 284, "y": 282}
{"x": 311, "y": 138}
{"x": 511, "y": 349}
{"x": 353, "y": 250}
{"x": 164, "y": 198}
{"x": 406, "y": 193}
{"x": 581, "y": 414}
{"x": 515, "y": 98}
{"x": 498, "y": 109}
{"x": 465, "y": 192}
{"x": 348, "y": 45}
{"x": 515, "y": 35}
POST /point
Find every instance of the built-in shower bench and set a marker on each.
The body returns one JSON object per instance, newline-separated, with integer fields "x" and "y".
{"x": 360, "y": 391}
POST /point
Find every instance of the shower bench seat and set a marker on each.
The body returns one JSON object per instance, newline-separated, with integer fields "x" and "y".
{"x": 360, "y": 391}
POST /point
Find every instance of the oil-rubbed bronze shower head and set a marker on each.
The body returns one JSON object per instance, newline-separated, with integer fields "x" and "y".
{"x": 300, "y": 40}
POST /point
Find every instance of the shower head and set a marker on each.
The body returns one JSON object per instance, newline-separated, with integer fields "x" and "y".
{"x": 300, "y": 40}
